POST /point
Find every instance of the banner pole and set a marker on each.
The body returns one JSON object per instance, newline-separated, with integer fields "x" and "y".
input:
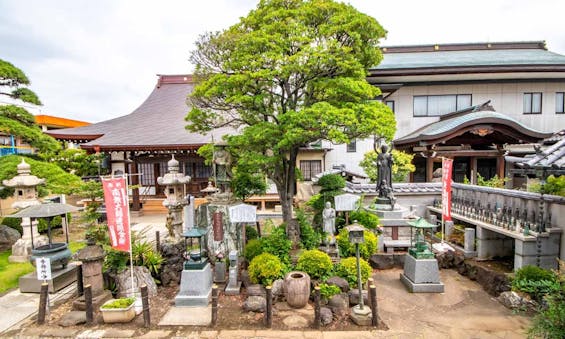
{"x": 129, "y": 230}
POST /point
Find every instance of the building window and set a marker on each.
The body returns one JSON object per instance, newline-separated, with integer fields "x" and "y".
{"x": 560, "y": 102}
{"x": 436, "y": 105}
{"x": 390, "y": 104}
{"x": 310, "y": 168}
{"x": 532, "y": 103}
{"x": 147, "y": 174}
{"x": 352, "y": 146}
{"x": 197, "y": 169}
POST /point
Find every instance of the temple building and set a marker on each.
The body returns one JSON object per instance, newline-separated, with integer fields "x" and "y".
{"x": 464, "y": 101}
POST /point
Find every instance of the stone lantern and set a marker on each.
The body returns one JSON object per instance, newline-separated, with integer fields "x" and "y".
{"x": 92, "y": 258}
{"x": 174, "y": 183}
{"x": 25, "y": 195}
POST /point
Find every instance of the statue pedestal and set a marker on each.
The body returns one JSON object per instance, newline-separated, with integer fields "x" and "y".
{"x": 195, "y": 287}
{"x": 421, "y": 275}
{"x": 60, "y": 279}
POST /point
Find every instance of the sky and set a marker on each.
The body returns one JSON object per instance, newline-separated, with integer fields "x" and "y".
{"x": 96, "y": 60}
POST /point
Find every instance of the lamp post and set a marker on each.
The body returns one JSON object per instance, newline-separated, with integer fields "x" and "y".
{"x": 357, "y": 237}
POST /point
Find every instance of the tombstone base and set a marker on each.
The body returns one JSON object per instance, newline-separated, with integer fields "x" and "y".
{"x": 233, "y": 289}
{"x": 59, "y": 279}
{"x": 421, "y": 287}
{"x": 195, "y": 287}
{"x": 97, "y": 301}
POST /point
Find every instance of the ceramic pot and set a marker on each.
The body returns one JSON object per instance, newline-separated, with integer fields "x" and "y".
{"x": 117, "y": 315}
{"x": 297, "y": 289}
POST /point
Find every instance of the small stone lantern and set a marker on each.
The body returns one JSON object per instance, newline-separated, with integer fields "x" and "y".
{"x": 174, "y": 183}
{"x": 360, "y": 315}
{"x": 195, "y": 257}
{"x": 25, "y": 185}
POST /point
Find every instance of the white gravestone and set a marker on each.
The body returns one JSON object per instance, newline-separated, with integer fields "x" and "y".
{"x": 346, "y": 202}
{"x": 189, "y": 214}
{"x": 243, "y": 213}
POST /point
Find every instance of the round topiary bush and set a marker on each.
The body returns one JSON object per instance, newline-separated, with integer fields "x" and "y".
{"x": 252, "y": 249}
{"x": 347, "y": 249}
{"x": 316, "y": 263}
{"x": 251, "y": 233}
{"x": 367, "y": 219}
{"x": 347, "y": 269}
{"x": 265, "y": 268}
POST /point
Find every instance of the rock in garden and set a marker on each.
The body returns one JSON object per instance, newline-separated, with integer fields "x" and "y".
{"x": 382, "y": 261}
{"x": 278, "y": 289}
{"x": 141, "y": 276}
{"x": 295, "y": 321}
{"x": 8, "y": 236}
{"x": 339, "y": 304}
{"x": 354, "y": 297}
{"x": 339, "y": 282}
{"x": 513, "y": 300}
{"x": 326, "y": 316}
{"x": 73, "y": 318}
{"x": 255, "y": 303}
{"x": 256, "y": 290}
{"x": 245, "y": 280}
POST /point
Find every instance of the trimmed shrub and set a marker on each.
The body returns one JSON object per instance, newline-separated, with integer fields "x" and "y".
{"x": 251, "y": 233}
{"x": 265, "y": 268}
{"x": 367, "y": 219}
{"x": 347, "y": 249}
{"x": 278, "y": 244}
{"x": 328, "y": 291}
{"x": 316, "y": 263}
{"x": 347, "y": 269}
{"x": 252, "y": 249}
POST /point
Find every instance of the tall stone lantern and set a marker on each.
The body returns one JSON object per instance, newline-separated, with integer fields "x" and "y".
{"x": 174, "y": 183}
{"x": 25, "y": 195}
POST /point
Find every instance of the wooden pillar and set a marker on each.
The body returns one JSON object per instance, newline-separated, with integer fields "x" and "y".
{"x": 136, "y": 203}
{"x": 429, "y": 168}
{"x": 473, "y": 174}
{"x": 500, "y": 166}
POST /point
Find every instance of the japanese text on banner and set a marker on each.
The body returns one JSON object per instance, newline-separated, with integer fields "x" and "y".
{"x": 116, "y": 200}
{"x": 446, "y": 167}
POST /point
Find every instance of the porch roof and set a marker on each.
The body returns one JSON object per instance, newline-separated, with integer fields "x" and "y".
{"x": 475, "y": 123}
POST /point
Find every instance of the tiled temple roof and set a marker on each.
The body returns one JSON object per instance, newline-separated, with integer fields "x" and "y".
{"x": 157, "y": 124}
{"x": 398, "y": 188}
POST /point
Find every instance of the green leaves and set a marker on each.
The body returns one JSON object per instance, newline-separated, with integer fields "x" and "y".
{"x": 10, "y": 75}
{"x": 401, "y": 167}
{"x": 289, "y": 73}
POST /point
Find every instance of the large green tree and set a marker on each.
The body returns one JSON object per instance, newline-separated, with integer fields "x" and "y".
{"x": 401, "y": 165}
{"x": 15, "y": 120}
{"x": 289, "y": 73}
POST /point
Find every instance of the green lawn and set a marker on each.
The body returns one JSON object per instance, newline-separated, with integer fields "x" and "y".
{"x": 11, "y": 272}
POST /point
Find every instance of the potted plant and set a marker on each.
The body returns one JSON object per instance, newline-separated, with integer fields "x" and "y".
{"x": 118, "y": 310}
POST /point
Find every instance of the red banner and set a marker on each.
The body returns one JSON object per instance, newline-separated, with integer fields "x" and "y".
{"x": 117, "y": 205}
{"x": 446, "y": 167}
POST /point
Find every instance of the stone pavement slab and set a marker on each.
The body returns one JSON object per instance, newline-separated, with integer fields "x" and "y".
{"x": 155, "y": 334}
{"x": 115, "y": 333}
{"x": 194, "y": 316}
{"x": 60, "y": 332}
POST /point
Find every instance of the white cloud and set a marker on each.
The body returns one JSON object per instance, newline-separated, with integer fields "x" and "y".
{"x": 94, "y": 60}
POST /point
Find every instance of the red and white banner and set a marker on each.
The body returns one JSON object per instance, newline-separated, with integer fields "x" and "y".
{"x": 117, "y": 205}
{"x": 446, "y": 167}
